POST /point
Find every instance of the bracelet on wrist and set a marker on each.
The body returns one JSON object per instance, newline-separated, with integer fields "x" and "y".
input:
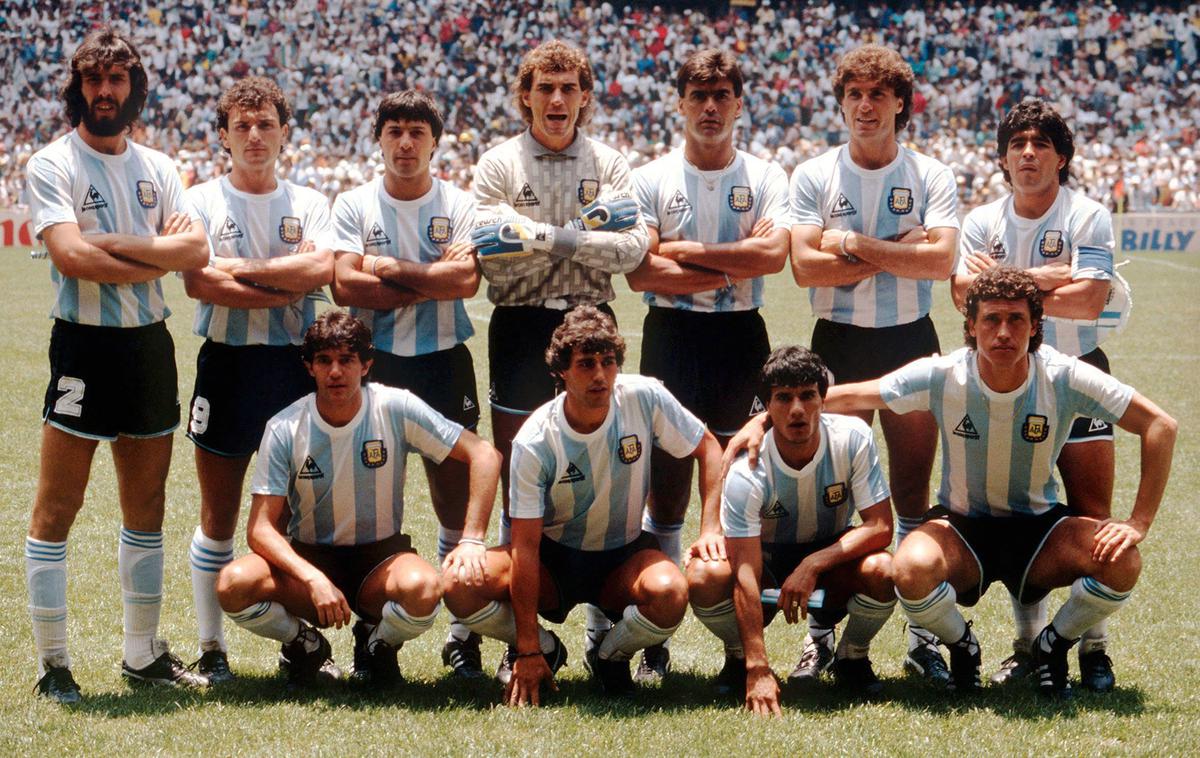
{"x": 727, "y": 282}
{"x": 375, "y": 262}
{"x": 471, "y": 541}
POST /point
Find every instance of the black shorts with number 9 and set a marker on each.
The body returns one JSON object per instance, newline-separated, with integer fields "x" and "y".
{"x": 110, "y": 381}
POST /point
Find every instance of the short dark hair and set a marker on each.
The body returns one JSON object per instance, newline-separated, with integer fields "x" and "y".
{"x": 409, "y": 105}
{"x": 588, "y": 329}
{"x": 879, "y": 64}
{"x": 794, "y": 366}
{"x": 101, "y": 49}
{"x": 337, "y": 329}
{"x": 553, "y": 57}
{"x": 1037, "y": 114}
{"x": 252, "y": 93}
{"x": 1005, "y": 283}
{"x": 707, "y": 67}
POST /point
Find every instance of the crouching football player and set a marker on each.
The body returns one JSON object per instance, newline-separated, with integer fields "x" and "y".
{"x": 787, "y": 519}
{"x": 579, "y": 481}
{"x": 328, "y": 501}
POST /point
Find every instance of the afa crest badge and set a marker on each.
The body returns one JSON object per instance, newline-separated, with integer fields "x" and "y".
{"x": 290, "y": 230}
{"x": 835, "y": 495}
{"x": 589, "y": 190}
{"x": 1051, "y": 245}
{"x": 439, "y": 229}
{"x": 631, "y": 449}
{"x": 1036, "y": 428}
{"x": 741, "y": 199}
{"x": 374, "y": 454}
{"x": 147, "y": 196}
{"x": 900, "y": 201}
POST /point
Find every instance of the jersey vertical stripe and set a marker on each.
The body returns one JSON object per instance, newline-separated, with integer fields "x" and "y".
{"x": 369, "y": 221}
{"x": 999, "y": 449}
{"x": 782, "y": 504}
{"x": 590, "y": 489}
{"x": 345, "y": 485}
{"x": 270, "y": 225}
{"x": 1074, "y": 230}
{"x": 675, "y": 197}
{"x": 831, "y": 192}
{"x": 130, "y": 193}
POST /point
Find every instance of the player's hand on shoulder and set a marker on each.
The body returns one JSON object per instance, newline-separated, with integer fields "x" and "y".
{"x": 748, "y": 439}
{"x": 1113, "y": 538}
{"x": 466, "y": 563}
{"x": 612, "y": 213}
{"x": 510, "y": 235}
{"x": 762, "y": 692}
{"x": 524, "y": 688}
{"x": 330, "y": 603}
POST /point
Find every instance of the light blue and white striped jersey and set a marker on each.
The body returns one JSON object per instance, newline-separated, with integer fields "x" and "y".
{"x": 131, "y": 193}
{"x": 345, "y": 485}
{"x": 590, "y": 489}
{"x": 796, "y": 506}
{"x": 999, "y": 449}
{"x": 1075, "y": 230}
{"x": 685, "y": 203}
{"x": 271, "y": 225}
{"x": 832, "y": 192}
{"x": 369, "y": 221}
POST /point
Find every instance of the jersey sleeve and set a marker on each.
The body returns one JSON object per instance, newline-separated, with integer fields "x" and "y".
{"x": 425, "y": 430}
{"x": 273, "y": 467}
{"x": 462, "y": 217}
{"x": 529, "y": 481}
{"x": 867, "y": 483}
{"x": 676, "y": 429}
{"x": 195, "y": 196}
{"x": 489, "y": 183}
{"x": 907, "y": 388}
{"x": 646, "y": 195}
{"x": 173, "y": 199}
{"x": 941, "y": 199}
{"x": 319, "y": 225}
{"x": 804, "y": 196}
{"x": 742, "y": 498}
{"x": 347, "y": 225}
{"x": 774, "y": 197}
{"x": 1094, "y": 243}
{"x": 48, "y": 194}
{"x": 614, "y": 252}
{"x": 1095, "y": 394}
{"x": 973, "y": 239}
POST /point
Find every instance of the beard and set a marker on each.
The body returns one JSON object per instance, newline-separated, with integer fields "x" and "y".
{"x": 126, "y": 114}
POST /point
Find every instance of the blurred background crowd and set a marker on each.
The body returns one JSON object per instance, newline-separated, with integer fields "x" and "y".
{"x": 1125, "y": 76}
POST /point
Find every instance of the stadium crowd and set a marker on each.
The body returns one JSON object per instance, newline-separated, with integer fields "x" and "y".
{"x": 1126, "y": 79}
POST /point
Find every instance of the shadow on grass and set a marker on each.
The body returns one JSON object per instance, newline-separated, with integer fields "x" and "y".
{"x": 682, "y": 692}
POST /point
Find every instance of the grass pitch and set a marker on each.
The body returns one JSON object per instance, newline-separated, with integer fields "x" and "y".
{"x": 1154, "y": 639}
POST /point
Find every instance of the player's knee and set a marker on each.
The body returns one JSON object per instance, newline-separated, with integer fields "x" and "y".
{"x": 705, "y": 579}
{"x": 1122, "y": 574}
{"x": 418, "y": 590}
{"x": 235, "y": 588}
{"x": 918, "y": 566}
{"x": 876, "y": 570}
{"x": 669, "y": 589}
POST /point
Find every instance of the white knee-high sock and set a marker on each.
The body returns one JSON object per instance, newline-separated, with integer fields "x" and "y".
{"x": 1029, "y": 620}
{"x": 447, "y": 541}
{"x": 936, "y": 612}
{"x": 496, "y": 620}
{"x": 917, "y": 635}
{"x": 905, "y": 526}
{"x": 397, "y": 625}
{"x": 631, "y": 634}
{"x": 207, "y": 557}
{"x": 721, "y": 620}
{"x": 1090, "y": 603}
{"x": 140, "y": 564}
{"x": 268, "y": 619}
{"x": 1095, "y": 638}
{"x": 46, "y": 578}
{"x": 867, "y": 617}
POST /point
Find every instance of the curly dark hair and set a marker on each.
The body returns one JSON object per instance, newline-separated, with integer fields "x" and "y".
{"x": 709, "y": 66}
{"x": 588, "y": 329}
{"x": 1005, "y": 283}
{"x": 879, "y": 64}
{"x": 101, "y": 49}
{"x": 553, "y": 57}
{"x": 252, "y": 93}
{"x": 337, "y": 329}
{"x": 409, "y": 105}
{"x": 1037, "y": 114}
{"x": 794, "y": 366}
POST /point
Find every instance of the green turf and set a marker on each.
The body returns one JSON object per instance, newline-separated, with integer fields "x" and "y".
{"x": 1154, "y": 709}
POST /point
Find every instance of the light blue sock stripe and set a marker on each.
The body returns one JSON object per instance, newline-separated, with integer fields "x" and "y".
{"x": 42, "y": 550}
{"x": 720, "y": 609}
{"x": 210, "y": 566}
{"x": 146, "y": 540}
{"x": 49, "y": 556}
{"x": 1093, "y": 587}
{"x": 251, "y": 613}
{"x": 917, "y": 606}
{"x": 199, "y": 550}
{"x": 870, "y": 602}
{"x": 660, "y": 527}
{"x": 143, "y": 599}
